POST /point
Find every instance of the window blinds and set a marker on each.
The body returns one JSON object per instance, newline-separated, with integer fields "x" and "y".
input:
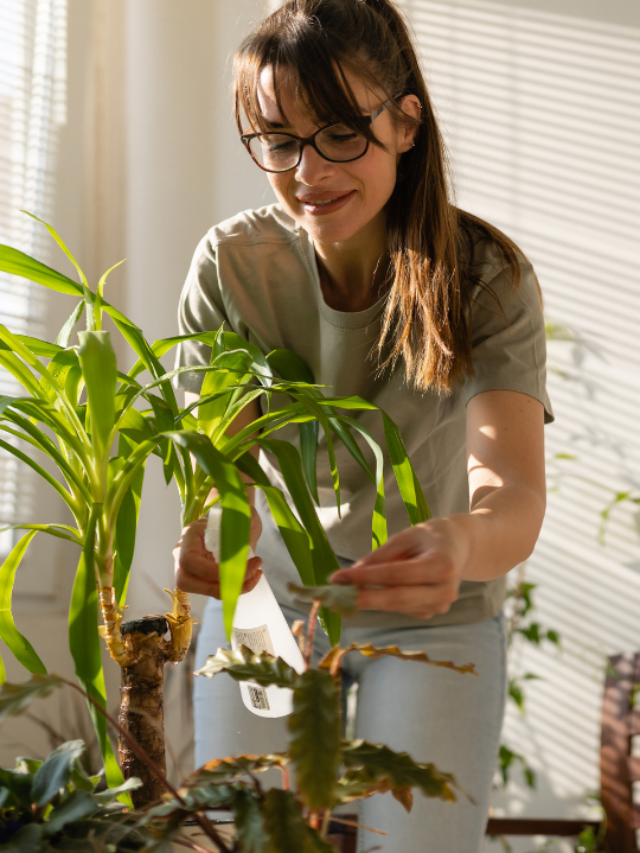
{"x": 32, "y": 107}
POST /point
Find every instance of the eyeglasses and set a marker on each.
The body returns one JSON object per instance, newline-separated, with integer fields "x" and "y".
{"x": 338, "y": 143}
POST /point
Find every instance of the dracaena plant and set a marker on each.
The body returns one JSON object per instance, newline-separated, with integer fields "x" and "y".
{"x": 99, "y": 426}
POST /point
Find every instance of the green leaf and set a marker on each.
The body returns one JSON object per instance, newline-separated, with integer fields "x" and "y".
{"x": 105, "y": 798}
{"x": 39, "y": 347}
{"x": 515, "y": 692}
{"x": 556, "y": 332}
{"x": 83, "y": 279}
{"x": 55, "y": 773}
{"x": 249, "y": 823}
{"x": 84, "y": 643}
{"x": 235, "y": 525}
{"x": 18, "y": 785}
{"x": 283, "y": 821}
{"x": 335, "y": 655}
{"x": 553, "y": 637}
{"x": 529, "y": 775}
{"x": 76, "y": 806}
{"x": 379, "y": 534}
{"x": 295, "y": 537}
{"x": 64, "y": 335}
{"x": 315, "y": 746}
{"x": 164, "y": 421}
{"x": 228, "y": 771}
{"x": 17, "y": 643}
{"x": 244, "y": 665}
{"x": 315, "y": 843}
{"x": 290, "y": 366}
{"x": 99, "y": 295}
{"x": 17, "y": 263}
{"x": 126, "y": 526}
{"x": 25, "y": 377}
{"x": 221, "y": 385}
{"x": 339, "y": 598}
{"x": 531, "y": 632}
{"x": 49, "y": 478}
{"x": 65, "y": 369}
{"x": 56, "y": 530}
{"x": 28, "y": 839}
{"x": 16, "y": 698}
{"x": 380, "y": 762}
{"x": 309, "y": 434}
{"x": 28, "y": 765}
{"x": 412, "y": 495}
{"x": 99, "y": 369}
{"x": 136, "y": 340}
{"x": 324, "y": 560}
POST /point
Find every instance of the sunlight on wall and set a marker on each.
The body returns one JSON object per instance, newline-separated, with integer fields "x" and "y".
{"x": 542, "y": 115}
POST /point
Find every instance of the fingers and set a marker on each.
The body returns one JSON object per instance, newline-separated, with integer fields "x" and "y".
{"x": 253, "y": 574}
{"x": 430, "y": 568}
{"x": 196, "y": 570}
{"x": 419, "y": 601}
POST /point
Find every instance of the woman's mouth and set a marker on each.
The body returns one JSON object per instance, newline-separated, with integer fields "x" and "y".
{"x": 321, "y": 204}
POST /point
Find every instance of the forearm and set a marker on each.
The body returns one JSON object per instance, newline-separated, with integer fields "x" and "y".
{"x": 499, "y": 532}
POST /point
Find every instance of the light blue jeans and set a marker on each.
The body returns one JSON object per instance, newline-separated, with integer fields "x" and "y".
{"x": 434, "y": 714}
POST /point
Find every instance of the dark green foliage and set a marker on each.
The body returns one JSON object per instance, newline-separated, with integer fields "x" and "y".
{"x": 53, "y": 805}
{"x": 283, "y": 822}
{"x": 315, "y": 745}
{"x": 341, "y": 598}
{"x": 15, "y": 698}
{"x": 244, "y": 665}
{"x": 523, "y": 628}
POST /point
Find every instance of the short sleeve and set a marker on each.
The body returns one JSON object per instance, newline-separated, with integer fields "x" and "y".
{"x": 508, "y": 335}
{"x": 201, "y": 309}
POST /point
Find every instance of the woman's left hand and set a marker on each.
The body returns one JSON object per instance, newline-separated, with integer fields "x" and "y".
{"x": 417, "y": 572}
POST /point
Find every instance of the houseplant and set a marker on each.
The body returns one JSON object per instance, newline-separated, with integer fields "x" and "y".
{"x": 100, "y": 445}
{"x": 320, "y": 770}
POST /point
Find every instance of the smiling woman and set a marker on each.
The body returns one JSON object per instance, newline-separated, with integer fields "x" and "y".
{"x": 367, "y": 270}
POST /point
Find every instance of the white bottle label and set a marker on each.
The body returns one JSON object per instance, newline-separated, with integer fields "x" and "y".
{"x": 258, "y": 697}
{"x": 257, "y": 639}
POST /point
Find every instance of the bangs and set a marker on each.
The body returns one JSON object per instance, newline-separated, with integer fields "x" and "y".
{"x": 313, "y": 72}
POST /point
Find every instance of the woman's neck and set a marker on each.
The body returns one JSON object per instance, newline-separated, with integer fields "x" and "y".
{"x": 353, "y": 275}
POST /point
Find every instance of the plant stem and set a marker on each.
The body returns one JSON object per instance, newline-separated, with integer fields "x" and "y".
{"x": 311, "y": 630}
{"x": 204, "y": 822}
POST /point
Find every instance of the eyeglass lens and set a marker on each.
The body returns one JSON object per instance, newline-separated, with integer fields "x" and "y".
{"x": 278, "y": 152}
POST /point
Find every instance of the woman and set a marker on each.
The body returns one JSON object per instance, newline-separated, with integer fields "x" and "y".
{"x": 367, "y": 270}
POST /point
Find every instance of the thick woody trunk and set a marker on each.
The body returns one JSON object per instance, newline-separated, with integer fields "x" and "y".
{"x": 142, "y": 704}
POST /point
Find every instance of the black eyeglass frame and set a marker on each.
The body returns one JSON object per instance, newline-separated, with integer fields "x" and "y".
{"x": 247, "y": 138}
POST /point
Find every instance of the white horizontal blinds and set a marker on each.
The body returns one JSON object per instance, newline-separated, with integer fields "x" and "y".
{"x": 32, "y": 107}
{"x": 541, "y": 110}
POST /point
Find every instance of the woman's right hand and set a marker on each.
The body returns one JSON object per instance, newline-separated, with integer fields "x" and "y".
{"x": 196, "y": 569}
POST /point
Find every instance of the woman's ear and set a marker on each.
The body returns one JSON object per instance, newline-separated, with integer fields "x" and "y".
{"x": 408, "y": 129}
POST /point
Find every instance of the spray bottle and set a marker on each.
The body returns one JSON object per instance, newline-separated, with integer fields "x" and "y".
{"x": 259, "y": 624}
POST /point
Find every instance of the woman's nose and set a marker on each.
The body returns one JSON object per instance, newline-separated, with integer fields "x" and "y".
{"x": 312, "y": 167}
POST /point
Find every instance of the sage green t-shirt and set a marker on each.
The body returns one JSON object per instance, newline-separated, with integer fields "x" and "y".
{"x": 257, "y": 274}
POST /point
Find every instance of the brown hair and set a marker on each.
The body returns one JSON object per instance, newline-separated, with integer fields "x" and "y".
{"x": 430, "y": 240}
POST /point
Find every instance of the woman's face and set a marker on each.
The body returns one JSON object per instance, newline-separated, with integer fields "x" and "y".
{"x": 337, "y": 202}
